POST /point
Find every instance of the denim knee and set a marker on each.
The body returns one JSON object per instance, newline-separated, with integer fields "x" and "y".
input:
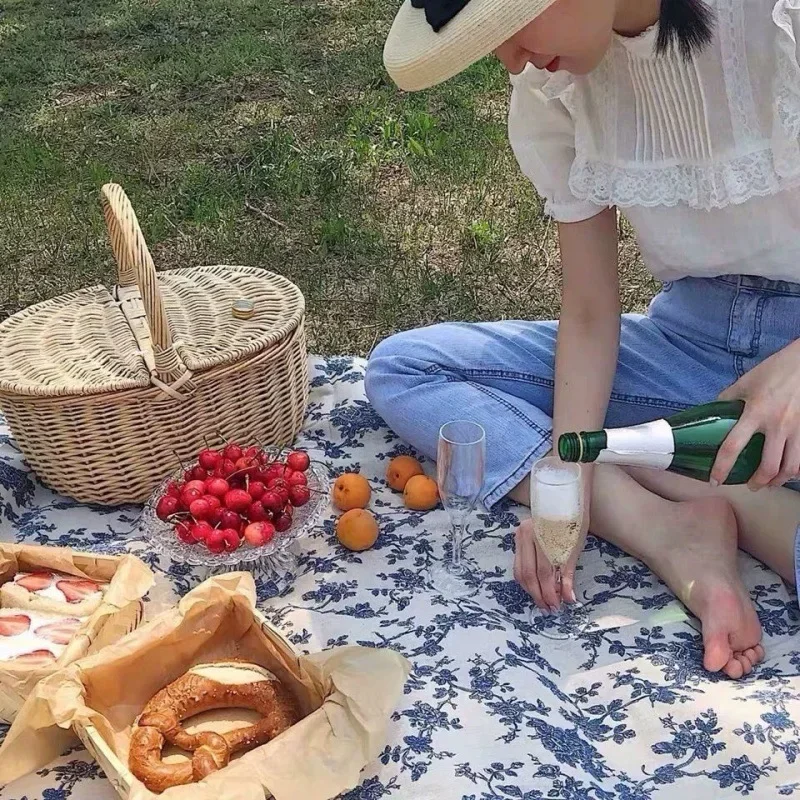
{"x": 387, "y": 361}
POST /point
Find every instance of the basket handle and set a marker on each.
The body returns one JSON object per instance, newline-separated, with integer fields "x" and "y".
{"x": 135, "y": 268}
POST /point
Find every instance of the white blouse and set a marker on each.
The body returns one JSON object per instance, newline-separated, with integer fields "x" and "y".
{"x": 702, "y": 155}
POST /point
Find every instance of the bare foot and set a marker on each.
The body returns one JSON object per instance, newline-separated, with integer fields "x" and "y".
{"x": 696, "y": 557}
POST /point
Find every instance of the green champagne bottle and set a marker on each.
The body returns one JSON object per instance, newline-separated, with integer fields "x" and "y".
{"x": 686, "y": 443}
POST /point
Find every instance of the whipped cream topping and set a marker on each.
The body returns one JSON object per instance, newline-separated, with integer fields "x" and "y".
{"x": 51, "y": 591}
{"x": 49, "y": 632}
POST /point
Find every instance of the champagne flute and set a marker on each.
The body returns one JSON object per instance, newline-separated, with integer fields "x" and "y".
{"x": 557, "y": 512}
{"x": 459, "y": 469}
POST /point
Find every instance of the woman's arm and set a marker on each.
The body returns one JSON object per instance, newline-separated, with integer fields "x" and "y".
{"x": 588, "y": 331}
{"x": 586, "y": 359}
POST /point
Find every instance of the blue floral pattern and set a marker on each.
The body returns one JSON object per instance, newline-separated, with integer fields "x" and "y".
{"x": 492, "y": 710}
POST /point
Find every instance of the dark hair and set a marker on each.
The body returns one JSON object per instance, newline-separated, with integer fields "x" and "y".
{"x": 685, "y": 24}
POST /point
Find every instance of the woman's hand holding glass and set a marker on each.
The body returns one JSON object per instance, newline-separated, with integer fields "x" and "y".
{"x": 533, "y": 569}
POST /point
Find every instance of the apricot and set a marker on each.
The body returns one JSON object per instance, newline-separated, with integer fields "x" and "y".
{"x": 400, "y": 469}
{"x": 357, "y": 529}
{"x": 421, "y": 493}
{"x": 351, "y": 490}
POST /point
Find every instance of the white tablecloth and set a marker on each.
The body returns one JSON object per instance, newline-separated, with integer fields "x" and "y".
{"x": 492, "y": 711}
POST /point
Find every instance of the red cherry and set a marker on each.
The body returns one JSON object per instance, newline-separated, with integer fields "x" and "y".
{"x": 298, "y": 460}
{"x": 216, "y": 517}
{"x": 274, "y": 471}
{"x": 219, "y": 487}
{"x": 297, "y": 479}
{"x": 230, "y": 519}
{"x": 245, "y": 466}
{"x": 215, "y": 541}
{"x": 256, "y": 512}
{"x": 183, "y": 530}
{"x": 258, "y": 534}
{"x": 252, "y": 452}
{"x": 166, "y": 506}
{"x": 196, "y": 484}
{"x": 213, "y": 501}
{"x": 209, "y": 459}
{"x": 199, "y": 474}
{"x": 174, "y": 490}
{"x": 299, "y": 495}
{"x": 256, "y": 489}
{"x": 282, "y": 522}
{"x": 232, "y": 451}
{"x": 231, "y": 539}
{"x": 238, "y": 500}
{"x": 225, "y": 469}
{"x": 188, "y": 475}
{"x": 272, "y": 501}
{"x": 190, "y": 494}
{"x": 201, "y": 531}
{"x": 199, "y": 509}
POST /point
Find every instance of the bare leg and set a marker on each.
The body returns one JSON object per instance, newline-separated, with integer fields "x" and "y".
{"x": 691, "y": 545}
{"x": 767, "y": 519}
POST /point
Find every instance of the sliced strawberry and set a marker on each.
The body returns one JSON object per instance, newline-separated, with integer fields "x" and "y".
{"x": 77, "y": 589}
{"x": 60, "y": 632}
{"x": 14, "y": 625}
{"x": 36, "y": 658}
{"x": 36, "y": 581}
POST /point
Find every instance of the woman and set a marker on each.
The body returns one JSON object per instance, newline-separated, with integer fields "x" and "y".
{"x": 685, "y": 115}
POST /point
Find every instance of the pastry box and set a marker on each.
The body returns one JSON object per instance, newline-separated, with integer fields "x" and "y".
{"x": 57, "y": 606}
{"x": 343, "y": 700}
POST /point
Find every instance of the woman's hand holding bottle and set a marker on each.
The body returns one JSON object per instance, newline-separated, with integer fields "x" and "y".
{"x": 771, "y": 392}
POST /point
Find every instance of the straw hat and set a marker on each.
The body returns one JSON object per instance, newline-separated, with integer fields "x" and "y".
{"x": 417, "y": 57}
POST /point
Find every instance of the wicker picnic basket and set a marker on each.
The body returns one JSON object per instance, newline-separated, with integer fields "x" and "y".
{"x": 104, "y": 390}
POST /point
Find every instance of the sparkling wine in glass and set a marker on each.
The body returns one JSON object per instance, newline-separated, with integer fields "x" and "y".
{"x": 459, "y": 469}
{"x": 557, "y": 512}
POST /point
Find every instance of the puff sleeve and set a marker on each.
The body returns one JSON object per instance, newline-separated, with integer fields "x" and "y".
{"x": 542, "y": 135}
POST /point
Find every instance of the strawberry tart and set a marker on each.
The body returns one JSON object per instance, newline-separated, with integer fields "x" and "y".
{"x": 53, "y": 593}
{"x": 34, "y": 638}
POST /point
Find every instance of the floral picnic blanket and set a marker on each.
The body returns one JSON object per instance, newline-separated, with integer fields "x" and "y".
{"x": 492, "y": 710}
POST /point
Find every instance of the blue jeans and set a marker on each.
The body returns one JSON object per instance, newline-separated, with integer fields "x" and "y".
{"x": 698, "y": 337}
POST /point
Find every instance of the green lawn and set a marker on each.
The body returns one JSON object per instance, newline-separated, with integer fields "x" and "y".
{"x": 265, "y": 132}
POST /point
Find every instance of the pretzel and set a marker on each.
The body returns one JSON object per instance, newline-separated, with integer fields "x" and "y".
{"x": 235, "y": 684}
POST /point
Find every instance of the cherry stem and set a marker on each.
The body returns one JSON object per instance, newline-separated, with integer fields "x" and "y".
{"x": 223, "y": 437}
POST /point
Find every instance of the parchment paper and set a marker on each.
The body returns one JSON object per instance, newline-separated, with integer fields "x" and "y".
{"x": 346, "y": 695}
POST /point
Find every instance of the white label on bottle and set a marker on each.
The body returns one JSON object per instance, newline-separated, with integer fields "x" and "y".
{"x": 649, "y": 445}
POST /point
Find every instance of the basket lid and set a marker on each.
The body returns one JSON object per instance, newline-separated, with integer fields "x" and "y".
{"x": 207, "y": 332}
{"x": 83, "y": 343}
{"x": 78, "y": 343}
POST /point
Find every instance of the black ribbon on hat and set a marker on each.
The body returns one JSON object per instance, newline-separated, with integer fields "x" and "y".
{"x": 439, "y": 12}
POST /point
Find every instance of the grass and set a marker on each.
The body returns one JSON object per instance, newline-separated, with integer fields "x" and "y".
{"x": 265, "y": 132}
